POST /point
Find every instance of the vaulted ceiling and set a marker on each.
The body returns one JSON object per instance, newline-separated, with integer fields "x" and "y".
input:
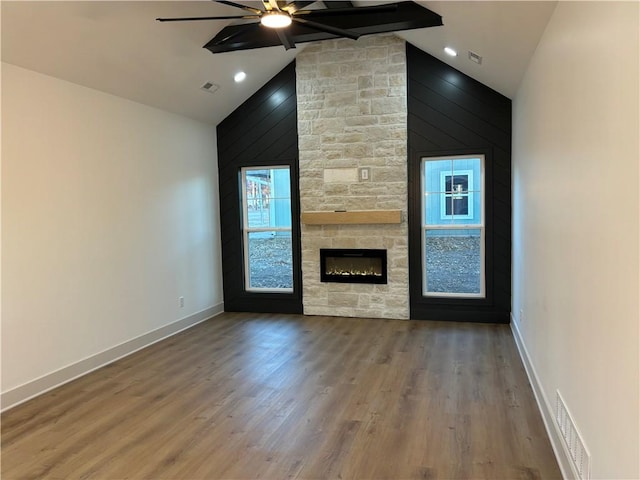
{"x": 118, "y": 47}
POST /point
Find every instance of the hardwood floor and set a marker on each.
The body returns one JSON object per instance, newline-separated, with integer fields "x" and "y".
{"x": 246, "y": 396}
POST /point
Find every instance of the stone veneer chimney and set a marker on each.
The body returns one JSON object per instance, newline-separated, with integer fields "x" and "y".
{"x": 352, "y": 113}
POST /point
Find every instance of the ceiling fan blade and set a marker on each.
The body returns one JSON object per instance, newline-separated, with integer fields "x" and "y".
{"x": 391, "y": 7}
{"x": 408, "y": 16}
{"x": 191, "y": 19}
{"x": 295, "y": 6}
{"x": 341, "y": 32}
{"x": 285, "y": 38}
{"x": 227, "y": 37}
{"x": 239, "y": 37}
{"x": 338, "y": 3}
{"x": 257, "y": 11}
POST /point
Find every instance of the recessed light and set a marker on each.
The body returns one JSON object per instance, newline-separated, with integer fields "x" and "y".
{"x": 239, "y": 77}
{"x": 450, "y": 51}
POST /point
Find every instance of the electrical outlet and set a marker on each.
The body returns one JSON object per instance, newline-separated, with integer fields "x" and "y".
{"x": 521, "y": 316}
{"x": 365, "y": 174}
{"x": 181, "y": 301}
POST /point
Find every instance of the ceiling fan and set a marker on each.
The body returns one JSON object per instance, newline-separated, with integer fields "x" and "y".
{"x": 287, "y": 23}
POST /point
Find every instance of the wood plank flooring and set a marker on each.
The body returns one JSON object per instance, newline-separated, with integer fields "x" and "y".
{"x": 246, "y": 396}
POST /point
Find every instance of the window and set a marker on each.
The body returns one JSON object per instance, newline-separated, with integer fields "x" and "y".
{"x": 266, "y": 229}
{"x": 453, "y": 231}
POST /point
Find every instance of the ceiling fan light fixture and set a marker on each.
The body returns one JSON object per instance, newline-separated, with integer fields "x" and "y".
{"x": 275, "y": 19}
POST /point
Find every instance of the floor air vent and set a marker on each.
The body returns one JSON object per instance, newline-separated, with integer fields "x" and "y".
{"x": 580, "y": 457}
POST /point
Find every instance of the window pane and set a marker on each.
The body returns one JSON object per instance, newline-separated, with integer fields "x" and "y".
{"x": 452, "y": 259}
{"x": 280, "y": 212}
{"x": 270, "y": 260}
{"x": 267, "y": 220}
{"x": 473, "y": 165}
{"x": 432, "y": 172}
{"x": 268, "y": 198}
{"x": 432, "y": 203}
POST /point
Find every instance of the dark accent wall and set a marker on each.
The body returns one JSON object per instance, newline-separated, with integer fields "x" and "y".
{"x": 449, "y": 113}
{"x": 262, "y": 131}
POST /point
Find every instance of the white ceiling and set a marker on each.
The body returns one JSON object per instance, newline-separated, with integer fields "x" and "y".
{"x": 118, "y": 47}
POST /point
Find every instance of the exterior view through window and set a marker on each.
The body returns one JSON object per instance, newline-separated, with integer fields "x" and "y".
{"x": 453, "y": 226}
{"x": 266, "y": 228}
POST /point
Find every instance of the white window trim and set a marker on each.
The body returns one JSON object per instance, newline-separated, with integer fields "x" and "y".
{"x": 454, "y": 226}
{"x": 443, "y": 198}
{"x": 246, "y": 230}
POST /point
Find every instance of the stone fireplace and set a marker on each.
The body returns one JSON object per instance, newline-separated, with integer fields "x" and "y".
{"x": 352, "y": 126}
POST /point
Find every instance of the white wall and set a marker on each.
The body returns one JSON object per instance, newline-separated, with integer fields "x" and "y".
{"x": 576, "y": 219}
{"x": 109, "y": 214}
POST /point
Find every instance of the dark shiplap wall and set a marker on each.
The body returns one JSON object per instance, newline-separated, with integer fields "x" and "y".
{"x": 449, "y": 113}
{"x": 262, "y": 131}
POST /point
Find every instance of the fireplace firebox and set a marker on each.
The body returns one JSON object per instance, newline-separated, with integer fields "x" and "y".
{"x": 353, "y": 265}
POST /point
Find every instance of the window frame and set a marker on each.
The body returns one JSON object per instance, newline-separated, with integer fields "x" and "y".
{"x": 247, "y": 230}
{"x": 424, "y": 227}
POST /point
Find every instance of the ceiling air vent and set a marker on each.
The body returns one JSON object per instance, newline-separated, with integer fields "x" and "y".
{"x": 210, "y": 87}
{"x": 474, "y": 57}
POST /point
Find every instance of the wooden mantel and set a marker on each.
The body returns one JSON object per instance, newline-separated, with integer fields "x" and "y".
{"x": 351, "y": 217}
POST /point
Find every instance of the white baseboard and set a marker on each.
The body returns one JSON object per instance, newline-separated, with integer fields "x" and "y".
{"x": 548, "y": 413}
{"x": 29, "y": 390}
